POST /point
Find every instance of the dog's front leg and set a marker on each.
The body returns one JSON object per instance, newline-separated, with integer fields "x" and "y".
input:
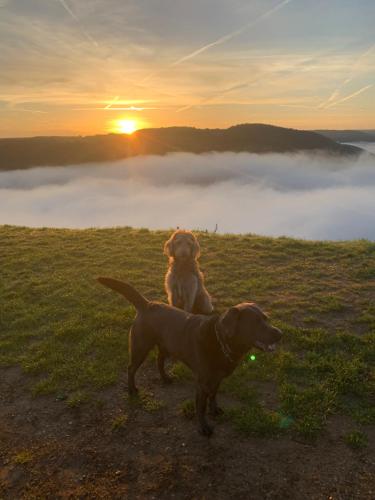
{"x": 175, "y": 299}
{"x": 213, "y": 407}
{"x": 201, "y": 406}
{"x": 189, "y": 294}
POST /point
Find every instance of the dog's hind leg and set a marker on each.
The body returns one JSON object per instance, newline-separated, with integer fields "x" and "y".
{"x": 140, "y": 344}
{"x": 203, "y": 304}
{"x": 161, "y": 360}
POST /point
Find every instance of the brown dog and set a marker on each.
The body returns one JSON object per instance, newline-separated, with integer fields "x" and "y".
{"x": 211, "y": 346}
{"x": 184, "y": 282}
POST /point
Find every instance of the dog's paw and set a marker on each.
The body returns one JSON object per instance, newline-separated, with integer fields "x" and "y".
{"x": 216, "y": 411}
{"x": 133, "y": 392}
{"x": 167, "y": 380}
{"x": 206, "y": 430}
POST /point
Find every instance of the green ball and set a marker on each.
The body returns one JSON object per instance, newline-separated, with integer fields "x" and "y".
{"x": 252, "y": 357}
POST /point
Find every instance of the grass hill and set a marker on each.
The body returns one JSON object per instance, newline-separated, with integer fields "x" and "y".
{"x": 255, "y": 138}
{"x": 295, "y": 422}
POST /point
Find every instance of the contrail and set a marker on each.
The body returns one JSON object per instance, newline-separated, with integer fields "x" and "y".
{"x": 73, "y": 16}
{"x": 225, "y": 38}
{"x": 69, "y": 10}
{"x": 114, "y": 100}
{"x": 30, "y": 110}
{"x": 336, "y": 92}
{"x": 222, "y": 39}
{"x": 245, "y": 84}
{"x": 110, "y": 107}
{"x": 219, "y": 41}
{"x": 354, "y": 94}
{"x": 129, "y": 108}
{"x": 295, "y": 106}
{"x": 238, "y": 86}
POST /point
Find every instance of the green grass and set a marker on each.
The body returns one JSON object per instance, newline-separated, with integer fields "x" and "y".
{"x": 145, "y": 400}
{"x": 255, "y": 420}
{"x": 119, "y": 422}
{"x": 76, "y": 399}
{"x": 23, "y": 457}
{"x": 69, "y": 334}
{"x": 188, "y": 409}
{"x": 356, "y": 440}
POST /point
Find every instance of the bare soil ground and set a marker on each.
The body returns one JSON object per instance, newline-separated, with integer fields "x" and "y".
{"x": 48, "y": 450}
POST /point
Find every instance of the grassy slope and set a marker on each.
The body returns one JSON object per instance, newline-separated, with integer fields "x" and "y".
{"x": 70, "y": 334}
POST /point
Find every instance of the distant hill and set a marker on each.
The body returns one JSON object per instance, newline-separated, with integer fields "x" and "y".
{"x": 349, "y": 135}
{"x": 254, "y": 138}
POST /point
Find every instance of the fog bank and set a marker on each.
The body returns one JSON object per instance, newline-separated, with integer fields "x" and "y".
{"x": 303, "y": 196}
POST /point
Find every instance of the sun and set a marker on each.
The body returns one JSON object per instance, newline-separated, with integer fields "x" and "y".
{"x": 125, "y": 126}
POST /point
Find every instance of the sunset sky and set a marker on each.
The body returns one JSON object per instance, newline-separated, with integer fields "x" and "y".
{"x": 80, "y": 66}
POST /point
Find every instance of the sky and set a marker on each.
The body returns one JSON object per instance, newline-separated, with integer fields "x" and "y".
{"x": 78, "y": 67}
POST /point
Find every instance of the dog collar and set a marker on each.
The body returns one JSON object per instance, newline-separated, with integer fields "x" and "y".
{"x": 224, "y": 346}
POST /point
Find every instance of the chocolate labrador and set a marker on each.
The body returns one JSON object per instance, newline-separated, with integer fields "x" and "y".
{"x": 211, "y": 346}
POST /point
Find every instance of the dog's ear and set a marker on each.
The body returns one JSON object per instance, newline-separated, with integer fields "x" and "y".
{"x": 258, "y": 310}
{"x": 169, "y": 247}
{"x": 229, "y": 321}
{"x": 196, "y": 248}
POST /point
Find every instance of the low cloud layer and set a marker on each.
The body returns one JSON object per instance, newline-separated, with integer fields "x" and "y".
{"x": 312, "y": 197}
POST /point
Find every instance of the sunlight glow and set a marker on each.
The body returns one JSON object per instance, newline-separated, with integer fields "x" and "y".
{"x": 125, "y": 126}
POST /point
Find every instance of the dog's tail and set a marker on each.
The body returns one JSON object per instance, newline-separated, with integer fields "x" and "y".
{"x": 126, "y": 290}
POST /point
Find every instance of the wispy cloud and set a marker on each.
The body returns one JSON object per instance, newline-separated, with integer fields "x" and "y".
{"x": 25, "y": 110}
{"x": 295, "y": 106}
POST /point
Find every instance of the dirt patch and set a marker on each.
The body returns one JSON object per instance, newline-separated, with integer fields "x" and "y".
{"x": 48, "y": 450}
